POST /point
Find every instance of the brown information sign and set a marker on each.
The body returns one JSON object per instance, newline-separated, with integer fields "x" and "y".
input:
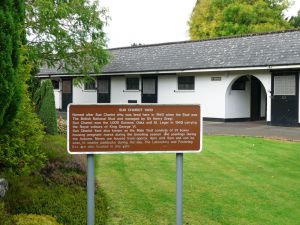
{"x": 134, "y": 128}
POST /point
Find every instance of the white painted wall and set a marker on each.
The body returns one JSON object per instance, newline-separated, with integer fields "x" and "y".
{"x": 216, "y": 97}
{"x": 238, "y": 102}
{"x": 210, "y": 94}
{"x": 119, "y": 94}
{"x": 84, "y": 96}
{"x": 57, "y": 98}
{"x": 265, "y": 79}
{"x": 263, "y": 102}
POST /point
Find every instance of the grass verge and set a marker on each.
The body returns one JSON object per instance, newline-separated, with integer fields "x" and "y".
{"x": 235, "y": 180}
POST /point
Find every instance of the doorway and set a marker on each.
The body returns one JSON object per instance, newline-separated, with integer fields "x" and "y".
{"x": 149, "y": 89}
{"x": 103, "y": 89}
{"x": 255, "y": 104}
{"x": 285, "y": 98}
{"x": 67, "y": 93}
{"x": 246, "y": 99}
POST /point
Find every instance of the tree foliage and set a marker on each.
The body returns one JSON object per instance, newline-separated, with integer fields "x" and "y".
{"x": 11, "y": 21}
{"x": 295, "y": 20}
{"x": 20, "y": 130}
{"x": 213, "y": 18}
{"x": 45, "y": 107}
{"x": 67, "y": 34}
{"x": 20, "y": 139}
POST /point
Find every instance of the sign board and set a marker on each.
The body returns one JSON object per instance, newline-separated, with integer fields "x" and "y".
{"x": 137, "y": 128}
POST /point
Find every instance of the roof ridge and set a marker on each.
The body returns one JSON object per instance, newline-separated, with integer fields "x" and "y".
{"x": 208, "y": 39}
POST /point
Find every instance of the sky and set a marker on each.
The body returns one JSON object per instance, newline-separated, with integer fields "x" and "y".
{"x": 152, "y": 21}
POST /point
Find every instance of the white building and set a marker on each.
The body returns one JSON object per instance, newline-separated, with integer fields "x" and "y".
{"x": 253, "y": 77}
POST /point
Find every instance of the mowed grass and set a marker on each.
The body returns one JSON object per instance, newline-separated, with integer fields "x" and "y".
{"x": 235, "y": 180}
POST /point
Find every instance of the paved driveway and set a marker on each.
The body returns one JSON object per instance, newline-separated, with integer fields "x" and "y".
{"x": 258, "y": 129}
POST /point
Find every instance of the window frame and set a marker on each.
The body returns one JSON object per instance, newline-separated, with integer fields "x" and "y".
{"x": 133, "y": 78}
{"x": 87, "y": 88}
{"x": 52, "y": 81}
{"x": 180, "y": 83}
{"x": 284, "y": 89}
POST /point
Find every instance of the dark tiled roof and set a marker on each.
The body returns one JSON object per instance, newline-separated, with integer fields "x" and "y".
{"x": 270, "y": 49}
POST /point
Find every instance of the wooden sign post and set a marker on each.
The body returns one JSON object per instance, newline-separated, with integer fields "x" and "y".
{"x": 137, "y": 128}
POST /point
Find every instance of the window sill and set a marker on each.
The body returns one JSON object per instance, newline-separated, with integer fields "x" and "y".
{"x": 89, "y": 90}
{"x": 131, "y": 90}
{"x": 184, "y": 91}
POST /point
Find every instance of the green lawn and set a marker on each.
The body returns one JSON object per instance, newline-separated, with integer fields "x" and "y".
{"x": 235, "y": 180}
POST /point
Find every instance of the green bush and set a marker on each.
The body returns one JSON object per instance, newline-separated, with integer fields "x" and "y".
{"x": 12, "y": 23}
{"x": 4, "y": 218}
{"x": 20, "y": 143}
{"x": 45, "y": 106}
{"x": 31, "y": 219}
{"x": 20, "y": 138}
{"x": 25, "y": 219}
{"x": 57, "y": 190}
{"x": 29, "y": 194}
{"x": 54, "y": 147}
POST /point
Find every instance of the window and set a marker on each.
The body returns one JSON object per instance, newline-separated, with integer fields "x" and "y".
{"x": 55, "y": 84}
{"x": 90, "y": 86}
{"x": 285, "y": 85}
{"x": 240, "y": 84}
{"x": 103, "y": 86}
{"x": 149, "y": 86}
{"x": 186, "y": 83}
{"x": 132, "y": 83}
{"x": 67, "y": 86}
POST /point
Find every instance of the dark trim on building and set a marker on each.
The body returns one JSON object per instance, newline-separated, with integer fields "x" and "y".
{"x": 280, "y": 71}
{"x": 66, "y": 97}
{"x": 284, "y": 104}
{"x": 213, "y": 119}
{"x": 226, "y": 120}
{"x": 149, "y": 98}
{"x": 288, "y": 125}
{"x": 173, "y": 71}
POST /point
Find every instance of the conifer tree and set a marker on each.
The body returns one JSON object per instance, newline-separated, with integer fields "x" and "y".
{"x": 11, "y": 37}
{"x": 45, "y": 107}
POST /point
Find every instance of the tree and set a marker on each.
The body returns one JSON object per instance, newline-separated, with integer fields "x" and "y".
{"x": 20, "y": 150}
{"x": 214, "y": 18}
{"x": 11, "y": 26}
{"x": 20, "y": 129}
{"x": 67, "y": 34}
{"x": 295, "y": 20}
{"x": 45, "y": 106}
{"x": 21, "y": 137}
